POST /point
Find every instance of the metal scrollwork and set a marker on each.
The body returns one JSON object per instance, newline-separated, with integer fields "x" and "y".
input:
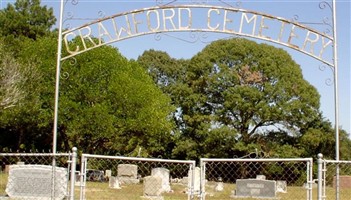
{"x": 64, "y": 75}
{"x": 324, "y": 4}
{"x": 161, "y": 3}
{"x": 72, "y": 62}
{"x": 158, "y": 36}
{"x": 199, "y": 1}
{"x": 193, "y": 35}
{"x": 295, "y": 18}
{"x": 101, "y": 14}
{"x": 69, "y": 16}
{"x": 328, "y": 81}
{"x": 238, "y": 3}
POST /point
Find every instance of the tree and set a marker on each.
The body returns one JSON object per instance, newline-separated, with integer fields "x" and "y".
{"x": 10, "y": 80}
{"x": 26, "y": 18}
{"x": 252, "y": 89}
{"x": 107, "y": 104}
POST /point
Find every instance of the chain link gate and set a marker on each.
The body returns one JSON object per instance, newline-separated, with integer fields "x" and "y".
{"x": 334, "y": 179}
{"x": 291, "y": 178}
{"x": 32, "y": 175}
{"x": 126, "y": 178}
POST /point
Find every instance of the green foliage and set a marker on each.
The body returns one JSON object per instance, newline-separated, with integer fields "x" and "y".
{"x": 236, "y": 97}
{"x": 107, "y": 104}
{"x": 26, "y": 18}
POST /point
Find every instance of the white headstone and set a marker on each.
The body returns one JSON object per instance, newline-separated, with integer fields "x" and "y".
{"x": 261, "y": 177}
{"x": 35, "y": 182}
{"x": 219, "y": 187}
{"x": 196, "y": 181}
{"x": 153, "y": 187}
{"x": 114, "y": 183}
{"x": 282, "y": 187}
{"x": 163, "y": 173}
{"x": 127, "y": 174}
{"x": 108, "y": 173}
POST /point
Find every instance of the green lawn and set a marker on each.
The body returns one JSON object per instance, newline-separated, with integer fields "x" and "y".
{"x": 101, "y": 191}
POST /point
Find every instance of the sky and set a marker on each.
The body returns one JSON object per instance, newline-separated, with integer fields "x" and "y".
{"x": 311, "y": 13}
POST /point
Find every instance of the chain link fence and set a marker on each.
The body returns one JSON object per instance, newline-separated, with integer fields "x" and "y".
{"x": 128, "y": 178}
{"x": 257, "y": 178}
{"x": 335, "y": 179}
{"x": 31, "y": 175}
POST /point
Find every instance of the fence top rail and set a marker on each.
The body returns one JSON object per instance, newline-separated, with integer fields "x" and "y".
{"x": 338, "y": 161}
{"x": 138, "y": 159}
{"x": 257, "y": 159}
{"x": 36, "y": 154}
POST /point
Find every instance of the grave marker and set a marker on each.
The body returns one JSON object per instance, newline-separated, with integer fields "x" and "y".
{"x": 255, "y": 188}
{"x": 35, "y": 182}
{"x": 163, "y": 173}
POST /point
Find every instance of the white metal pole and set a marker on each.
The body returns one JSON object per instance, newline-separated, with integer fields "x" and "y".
{"x": 336, "y": 98}
{"x": 57, "y": 85}
{"x": 58, "y": 66}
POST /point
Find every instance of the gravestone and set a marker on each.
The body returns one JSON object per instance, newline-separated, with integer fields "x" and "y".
{"x": 261, "y": 177}
{"x": 163, "y": 173}
{"x": 196, "y": 182}
{"x": 108, "y": 173}
{"x": 153, "y": 187}
{"x": 282, "y": 187}
{"x": 35, "y": 182}
{"x": 255, "y": 188}
{"x": 114, "y": 183}
{"x": 344, "y": 181}
{"x": 127, "y": 174}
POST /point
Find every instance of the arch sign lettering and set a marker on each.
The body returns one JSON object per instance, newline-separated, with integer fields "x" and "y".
{"x": 199, "y": 18}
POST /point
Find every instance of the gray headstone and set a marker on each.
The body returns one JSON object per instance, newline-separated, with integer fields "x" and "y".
{"x": 282, "y": 187}
{"x": 255, "y": 188}
{"x": 152, "y": 186}
{"x": 196, "y": 182}
{"x": 127, "y": 174}
{"x": 35, "y": 182}
{"x": 163, "y": 173}
{"x": 114, "y": 183}
{"x": 261, "y": 177}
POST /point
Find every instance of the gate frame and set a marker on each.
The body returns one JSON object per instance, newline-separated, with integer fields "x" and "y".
{"x": 322, "y": 169}
{"x": 309, "y": 170}
{"x": 84, "y": 163}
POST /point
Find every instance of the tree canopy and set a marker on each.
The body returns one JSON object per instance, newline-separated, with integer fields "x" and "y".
{"x": 235, "y": 98}
{"x": 26, "y": 18}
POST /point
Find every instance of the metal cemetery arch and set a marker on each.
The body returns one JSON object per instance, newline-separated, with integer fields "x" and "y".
{"x": 219, "y": 19}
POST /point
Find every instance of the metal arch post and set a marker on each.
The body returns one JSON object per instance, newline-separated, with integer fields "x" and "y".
{"x": 57, "y": 84}
{"x": 336, "y": 99}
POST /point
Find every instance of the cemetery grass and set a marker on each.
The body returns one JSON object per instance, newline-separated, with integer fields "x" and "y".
{"x": 101, "y": 191}
{"x": 97, "y": 191}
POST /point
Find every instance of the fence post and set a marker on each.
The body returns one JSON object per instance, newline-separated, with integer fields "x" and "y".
{"x": 320, "y": 176}
{"x": 73, "y": 172}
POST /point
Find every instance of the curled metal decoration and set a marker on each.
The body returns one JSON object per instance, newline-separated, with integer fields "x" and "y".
{"x": 237, "y": 4}
{"x": 69, "y": 16}
{"x": 72, "y": 62}
{"x": 324, "y": 4}
{"x": 328, "y": 81}
{"x": 193, "y": 35}
{"x": 64, "y": 75}
{"x": 158, "y": 36}
{"x": 101, "y": 14}
{"x": 199, "y": 1}
{"x": 161, "y": 3}
{"x": 295, "y": 18}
